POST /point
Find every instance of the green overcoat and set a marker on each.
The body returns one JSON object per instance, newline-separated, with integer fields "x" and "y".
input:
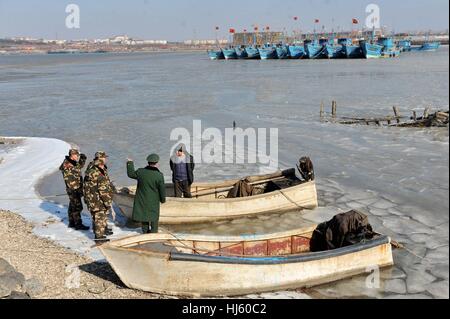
{"x": 151, "y": 191}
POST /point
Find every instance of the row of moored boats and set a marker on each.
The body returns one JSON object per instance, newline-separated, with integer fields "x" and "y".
{"x": 343, "y": 48}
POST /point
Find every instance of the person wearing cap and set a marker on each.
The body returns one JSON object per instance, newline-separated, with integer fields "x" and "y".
{"x": 182, "y": 166}
{"x": 98, "y": 197}
{"x": 73, "y": 179}
{"x": 150, "y": 193}
{"x": 102, "y": 155}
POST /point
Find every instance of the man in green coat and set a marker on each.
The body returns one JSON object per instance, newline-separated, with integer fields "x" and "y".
{"x": 151, "y": 191}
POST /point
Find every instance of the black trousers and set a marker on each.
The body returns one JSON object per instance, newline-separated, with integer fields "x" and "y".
{"x": 182, "y": 189}
{"x": 150, "y": 228}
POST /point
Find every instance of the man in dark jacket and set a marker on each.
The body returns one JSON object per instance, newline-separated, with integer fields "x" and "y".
{"x": 71, "y": 171}
{"x": 182, "y": 166}
{"x": 151, "y": 191}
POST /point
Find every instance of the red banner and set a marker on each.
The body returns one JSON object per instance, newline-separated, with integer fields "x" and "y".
{"x": 355, "y": 21}
{"x": 317, "y": 21}
{"x": 232, "y": 31}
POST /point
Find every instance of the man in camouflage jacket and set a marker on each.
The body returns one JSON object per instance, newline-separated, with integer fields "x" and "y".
{"x": 98, "y": 197}
{"x": 71, "y": 171}
{"x": 102, "y": 156}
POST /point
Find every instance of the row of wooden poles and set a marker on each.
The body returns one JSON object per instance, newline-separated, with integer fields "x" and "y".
{"x": 397, "y": 116}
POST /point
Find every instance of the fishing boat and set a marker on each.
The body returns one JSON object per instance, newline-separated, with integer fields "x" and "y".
{"x": 430, "y": 46}
{"x": 216, "y": 54}
{"x": 281, "y": 191}
{"x": 349, "y": 50}
{"x": 370, "y": 50}
{"x": 241, "y": 53}
{"x": 313, "y": 49}
{"x": 268, "y": 52}
{"x": 405, "y": 45}
{"x": 389, "y": 49}
{"x": 252, "y": 53}
{"x": 282, "y": 52}
{"x": 210, "y": 266}
{"x": 230, "y": 54}
{"x": 296, "y": 51}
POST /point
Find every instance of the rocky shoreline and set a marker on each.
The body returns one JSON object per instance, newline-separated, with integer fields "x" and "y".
{"x": 34, "y": 267}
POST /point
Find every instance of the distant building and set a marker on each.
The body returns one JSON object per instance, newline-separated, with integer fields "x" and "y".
{"x": 206, "y": 42}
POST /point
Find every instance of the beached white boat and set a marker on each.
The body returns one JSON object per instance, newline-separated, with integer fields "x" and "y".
{"x": 199, "y": 266}
{"x": 278, "y": 192}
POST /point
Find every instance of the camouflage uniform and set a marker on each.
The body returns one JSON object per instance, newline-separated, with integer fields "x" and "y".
{"x": 98, "y": 196}
{"x": 71, "y": 171}
{"x": 100, "y": 155}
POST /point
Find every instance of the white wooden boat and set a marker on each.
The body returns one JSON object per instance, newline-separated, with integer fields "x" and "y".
{"x": 204, "y": 266}
{"x": 280, "y": 192}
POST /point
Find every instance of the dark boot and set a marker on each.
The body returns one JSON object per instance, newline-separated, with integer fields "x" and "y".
{"x": 101, "y": 240}
{"x": 109, "y": 232}
{"x": 82, "y": 227}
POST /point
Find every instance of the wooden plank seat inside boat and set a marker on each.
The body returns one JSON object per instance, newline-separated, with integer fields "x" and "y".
{"x": 263, "y": 184}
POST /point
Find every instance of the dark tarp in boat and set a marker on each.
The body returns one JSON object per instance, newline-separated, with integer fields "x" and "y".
{"x": 343, "y": 230}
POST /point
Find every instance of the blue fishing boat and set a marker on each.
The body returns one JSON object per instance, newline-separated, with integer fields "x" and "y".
{"x": 230, "y": 54}
{"x": 216, "y": 54}
{"x": 268, "y": 52}
{"x": 370, "y": 50}
{"x": 430, "y": 46}
{"x": 313, "y": 49}
{"x": 389, "y": 49}
{"x": 405, "y": 45}
{"x": 328, "y": 51}
{"x": 282, "y": 52}
{"x": 349, "y": 50}
{"x": 241, "y": 53}
{"x": 296, "y": 51}
{"x": 252, "y": 53}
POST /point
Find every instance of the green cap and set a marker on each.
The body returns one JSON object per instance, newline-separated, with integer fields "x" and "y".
{"x": 153, "y": 158}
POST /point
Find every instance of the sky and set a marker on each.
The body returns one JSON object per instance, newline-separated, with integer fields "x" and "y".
{"x": 176, "y": 20}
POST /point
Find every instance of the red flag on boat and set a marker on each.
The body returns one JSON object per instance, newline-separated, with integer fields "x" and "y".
{"x": 295, "y": 18}
{"x": 245, "y": 30}
{"x": 355, "y": 21}
{"x": 267, "y": 28}
{"x": 217, "y": 28}
{"x": 256, "y": 28}
{"x": 232, "y": 31}
{"x": 317, "y": 21}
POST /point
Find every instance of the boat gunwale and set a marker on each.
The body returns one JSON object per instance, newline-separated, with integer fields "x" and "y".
{"x": 148, "y": 238}
{"x": 250, "y": 260}
{"x": 274, "y": 260}
{"x": 233, "y": 200}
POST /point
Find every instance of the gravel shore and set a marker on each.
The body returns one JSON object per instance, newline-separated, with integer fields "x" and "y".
{"x": 56, "y": 268}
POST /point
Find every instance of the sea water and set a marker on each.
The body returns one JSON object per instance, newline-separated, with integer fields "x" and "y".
{"x": 128, "y": 104}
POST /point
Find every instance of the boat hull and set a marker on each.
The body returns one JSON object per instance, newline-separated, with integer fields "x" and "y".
{"x": 314, "y": 51}
{"x": 268, "y": 53}
{"x": 353, "y": 52}
{"x": 216, "y": 55}
{"x": 296, "y": 52}
{"x": 203, "y": 210}
{"x": 252, "y": 53}
{"x": 282, "y": 53}
{"x": 241, "y": 53}
{"x": 230, "y": 54}
{"x": 431, "y": 46}
{"x": 192, "y": 275}
{"x": 371, "y": 51}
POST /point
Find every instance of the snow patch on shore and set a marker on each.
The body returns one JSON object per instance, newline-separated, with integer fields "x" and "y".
{"x": 20, "y": 172}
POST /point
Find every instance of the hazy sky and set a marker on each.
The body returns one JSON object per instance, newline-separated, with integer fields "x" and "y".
{"x": 188, "y": 19}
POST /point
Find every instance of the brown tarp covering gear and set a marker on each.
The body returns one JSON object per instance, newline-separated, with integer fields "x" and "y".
{"x": 242, "y": 189}
{"x": 343, "y": 230}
